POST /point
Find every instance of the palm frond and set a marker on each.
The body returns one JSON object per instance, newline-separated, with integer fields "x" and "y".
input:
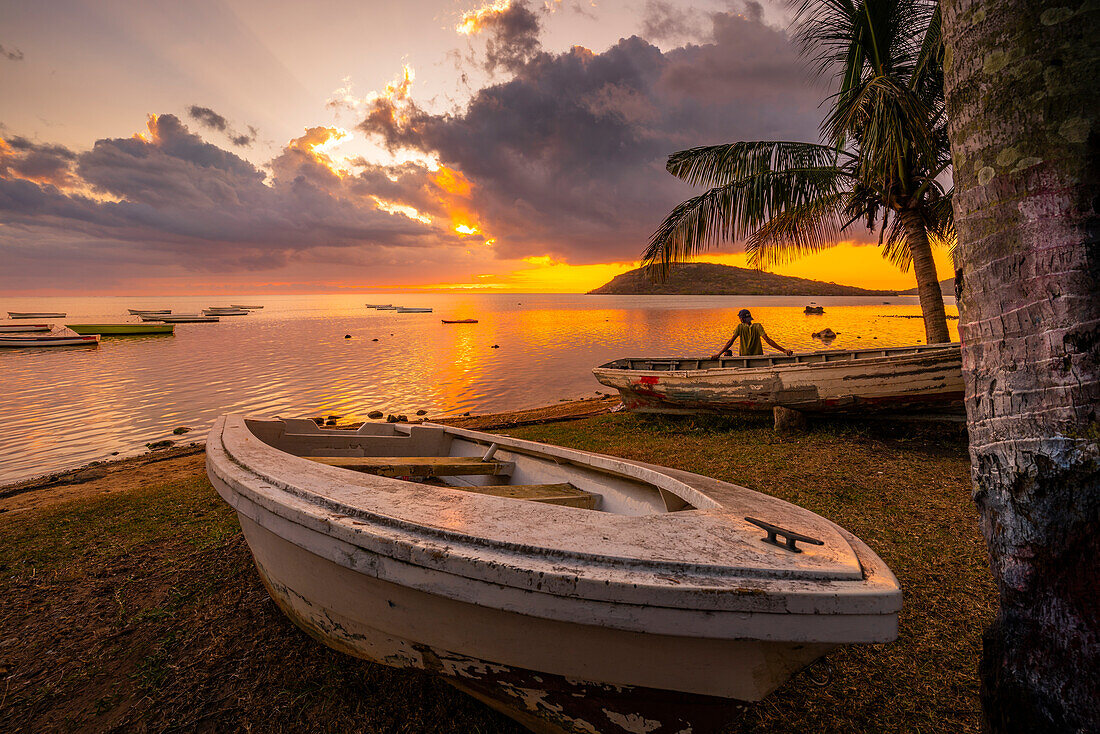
{"x": 718, "y": 165}
{"x": 894, "y": 247}
{"x": 798, "y": 231}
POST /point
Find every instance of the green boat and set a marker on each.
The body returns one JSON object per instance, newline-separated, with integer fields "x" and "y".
{"x": 122, "y": 329}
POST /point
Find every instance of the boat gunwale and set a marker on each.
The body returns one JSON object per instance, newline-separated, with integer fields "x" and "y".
{"x": 601, "y": 579}
{"x": 919, "y": 351}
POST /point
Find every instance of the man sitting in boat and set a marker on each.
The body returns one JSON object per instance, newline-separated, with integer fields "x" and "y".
{"x": 750, "y": 335}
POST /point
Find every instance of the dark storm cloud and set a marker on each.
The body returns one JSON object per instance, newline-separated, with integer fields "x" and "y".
{"x": 172, "y": 193}
{"x": 567, "y": 157}
{"x": 11, "y": 54}
{"x": 513, "y": 37}
{"x": 23, "y": 158}
{"x": 212, "y": 120}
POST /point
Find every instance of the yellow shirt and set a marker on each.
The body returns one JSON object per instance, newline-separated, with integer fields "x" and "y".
{"x": 750, "y": 335}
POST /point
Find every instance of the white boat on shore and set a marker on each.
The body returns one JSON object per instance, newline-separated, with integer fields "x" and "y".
{"x": 572, "y": 591}
{"x": 919, "y": 378}
{"x": 52, "y": 340}
{"x": 35, "y": 315}
{"x": 142, "y": 312}
{"x": 17, "y": 328}
{"x": 412, "y": 309}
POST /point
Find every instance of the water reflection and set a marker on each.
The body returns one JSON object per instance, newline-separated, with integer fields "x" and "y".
{"x": 65, "y": 407}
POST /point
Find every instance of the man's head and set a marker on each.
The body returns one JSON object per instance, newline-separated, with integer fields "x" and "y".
{"x": 745, "y": 316}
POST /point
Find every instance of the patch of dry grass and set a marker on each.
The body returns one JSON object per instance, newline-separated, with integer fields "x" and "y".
{"x": 141, "y": 611}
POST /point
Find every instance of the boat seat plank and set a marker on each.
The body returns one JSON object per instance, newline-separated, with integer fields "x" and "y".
{"x": 417, "y": 466}
{"x": 552, "y": 494}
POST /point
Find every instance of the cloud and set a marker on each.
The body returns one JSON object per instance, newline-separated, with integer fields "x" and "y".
{"x": 561, "y": 156}
{"x": 566, "y": 158}
{"x": 211, "y": 120}
{"x": 12, "y": 54}
{"x": 169, "y": 196}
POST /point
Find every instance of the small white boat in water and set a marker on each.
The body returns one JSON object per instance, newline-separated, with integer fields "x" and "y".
{"x": 140, "y": 312}
{"x": 892, "y": 380}
{"x": 182, "y": 318}
{"x": 225, "y": 312}
{"x": 16, "y": 328}
{"x": 247, "y": 308}
{"x": 412, "y": 309}
{"x": 570, "y": 590}
{"x": 379, "y": 305}
{"x": 53, "y": 340}
{"x": 386, "y": 308}
{"x": 35, "y": 315}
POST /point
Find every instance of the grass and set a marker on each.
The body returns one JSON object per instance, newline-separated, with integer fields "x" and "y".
{"x": 140, "y": 611}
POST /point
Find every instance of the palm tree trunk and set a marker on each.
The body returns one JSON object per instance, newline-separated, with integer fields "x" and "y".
{"x": 928, "y": 283}
{"x": 1025, "y": 138}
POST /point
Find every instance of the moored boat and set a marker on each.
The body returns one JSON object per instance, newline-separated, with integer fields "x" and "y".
{"x": 16, "y": 328}
{"x": 121, "y": 329}
{"x": 891, "y": 380}
{"x": 52, "y": 340}
{"x": 182, "y": 318}
{"x": 379, "y": 305}
{"x": 386, "y": 307}
{"x": 570, "y": 590}
{"x": 412, "y": 309}
{"x": 459, "y": 321}
{"x": 247, "y": 308}
{"x": 141, "y": 312}
{"x": 35, "y": 315}
{"x": 225, "y": 312}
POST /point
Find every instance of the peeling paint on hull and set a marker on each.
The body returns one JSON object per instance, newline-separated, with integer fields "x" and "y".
{"x": 894, "y": 381}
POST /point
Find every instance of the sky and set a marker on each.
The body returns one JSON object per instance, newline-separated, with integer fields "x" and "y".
{"x": 259, "y": 146}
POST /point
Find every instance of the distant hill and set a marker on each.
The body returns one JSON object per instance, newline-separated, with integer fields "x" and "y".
{"x": 699, "y": 279}
{"x": 947, "y": 287}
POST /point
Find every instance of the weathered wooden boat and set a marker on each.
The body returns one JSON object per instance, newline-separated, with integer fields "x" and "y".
{"x": 572, "y": 591}
{"x": 380, "y": 305}
{"x": 52, "y": 340}
{"x": 386, "y": 308}
{"x": 459, "y": 321}
{"x": 892, "y": 380}
{"x": 412, "y": 309}
{"x": 182, "y": 318}
{"x": 122, "y": 329}
{"x": 35, "y": 315}
{"x": 15, "y": 328}
{"x": 225, "y": 312}
{"x": 141, "y": 312}
{"x": 247, "y": 308}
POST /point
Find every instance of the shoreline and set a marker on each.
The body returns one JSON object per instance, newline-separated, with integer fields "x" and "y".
{"x": 112, "y": 475}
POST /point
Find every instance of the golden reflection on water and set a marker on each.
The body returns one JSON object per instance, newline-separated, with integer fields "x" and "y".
{"x": 65, "y": 407}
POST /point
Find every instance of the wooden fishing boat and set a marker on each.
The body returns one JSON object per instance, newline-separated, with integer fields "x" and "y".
{"x": 140, "y": 312}
{"x": 570, "y": 590}
{"x": 459, "y": 321}
{"x": 412, "y": 309}
{"x": 387, "y": 308}
{"x": 380, "y": 305}
{"x": 52, "y": 340}
{"x": 247, "y": 308}
{"x": 892, "y": 380}
{"x": 35, "y": 315}
{"x": 15, "y": 328}
{"x": 225, "y": 312}
{"x": 122, "y": 329}
{"x": 182, "y": 318}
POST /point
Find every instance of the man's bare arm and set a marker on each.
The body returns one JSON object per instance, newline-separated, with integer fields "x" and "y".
{"x": 726, "y": 347}
{"x": 768, "y": 339}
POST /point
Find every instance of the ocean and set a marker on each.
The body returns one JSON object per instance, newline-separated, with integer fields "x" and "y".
{"x": 66, "y": 406}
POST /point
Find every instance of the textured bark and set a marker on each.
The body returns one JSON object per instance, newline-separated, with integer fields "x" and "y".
{"x": 1021, "y": 93}
{"x": 928, "y": 283}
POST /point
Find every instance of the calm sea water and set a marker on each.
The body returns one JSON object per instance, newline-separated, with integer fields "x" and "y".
{"x": 63, "y": 407}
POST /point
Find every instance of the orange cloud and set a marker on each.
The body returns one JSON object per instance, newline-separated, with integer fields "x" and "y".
{"x": 473, "y": 21}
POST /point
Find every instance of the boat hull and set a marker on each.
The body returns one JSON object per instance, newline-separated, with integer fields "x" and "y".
{"x": 925, "y": 380}
{"x": 543, "y": 673}
{"x": 121, "y": 329}
{"x": 48, "y": 341}
{"x": 17, "y": 328}
{"x": 35, "y": 315}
